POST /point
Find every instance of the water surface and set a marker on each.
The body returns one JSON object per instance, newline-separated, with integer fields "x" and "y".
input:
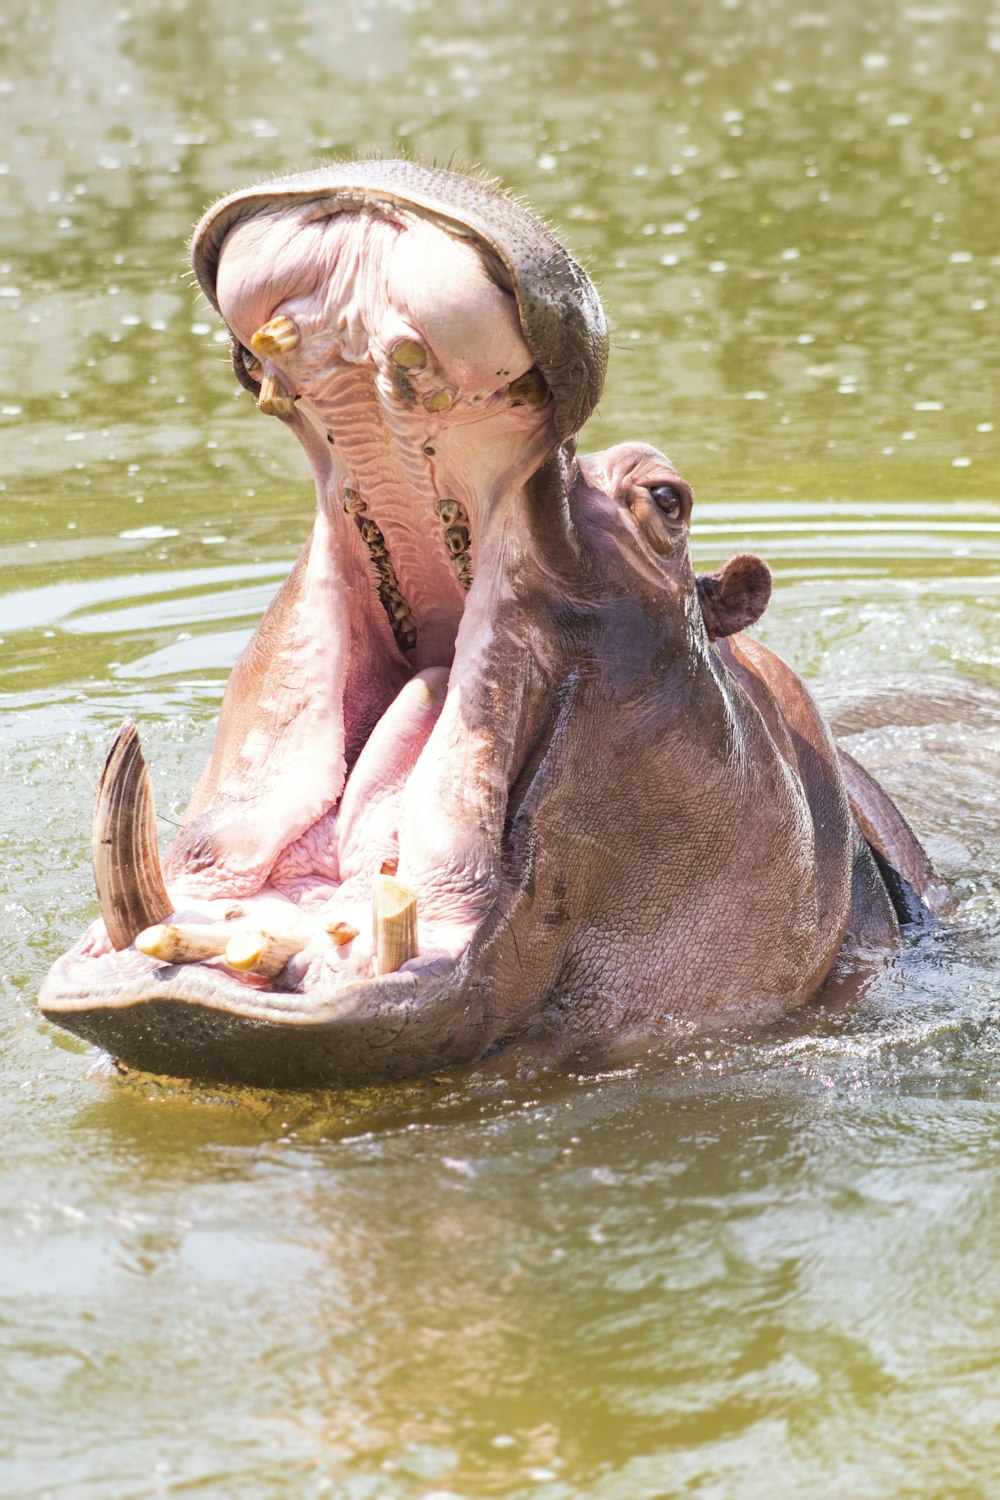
{"x": 735, "y": 1267}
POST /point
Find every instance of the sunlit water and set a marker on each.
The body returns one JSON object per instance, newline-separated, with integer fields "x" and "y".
{"x": 756, "y": 1265}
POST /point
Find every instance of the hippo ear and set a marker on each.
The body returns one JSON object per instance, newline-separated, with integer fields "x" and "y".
{"x": 735, "y": 596}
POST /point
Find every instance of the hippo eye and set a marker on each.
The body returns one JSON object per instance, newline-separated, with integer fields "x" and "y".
{"x": 668, "y": 497}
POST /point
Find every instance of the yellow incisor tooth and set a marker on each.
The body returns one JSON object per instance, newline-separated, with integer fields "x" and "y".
{"x": 394, "y": 923}
{"x": 277, "y": 336}
{"x": 184, "y": 942}
{"x": 260, "y": 952}
{"x": 342, "y": 933}
{"x": 274, "y": 400}
{"x": 438, "y": 401}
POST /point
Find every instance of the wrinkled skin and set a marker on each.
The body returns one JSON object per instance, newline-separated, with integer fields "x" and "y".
{"x": 613, "y": 808}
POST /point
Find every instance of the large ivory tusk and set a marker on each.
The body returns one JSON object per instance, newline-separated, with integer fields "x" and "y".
{"x": 130, "y": 888}
{"x": 394, "y": 923}
{"x": 184, "y": 942}
{"x": 264, "y": 953}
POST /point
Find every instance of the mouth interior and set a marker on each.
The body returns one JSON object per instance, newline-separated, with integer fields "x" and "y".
{"x": 358, "y": 739}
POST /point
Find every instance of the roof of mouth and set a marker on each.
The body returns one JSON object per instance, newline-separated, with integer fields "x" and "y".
{"x": 561, "y": 314}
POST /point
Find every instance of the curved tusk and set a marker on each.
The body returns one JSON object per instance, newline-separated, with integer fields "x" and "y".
{"x": 130, "y": 888}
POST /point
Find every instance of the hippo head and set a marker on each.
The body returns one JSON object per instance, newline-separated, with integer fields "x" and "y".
{"x": 461, "y": 768}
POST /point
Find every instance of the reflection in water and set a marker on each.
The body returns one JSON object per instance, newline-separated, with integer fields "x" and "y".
{"x": 744, "y": 1265}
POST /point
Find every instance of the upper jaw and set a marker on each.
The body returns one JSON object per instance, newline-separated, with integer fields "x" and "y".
{"x": 560, "y": 312}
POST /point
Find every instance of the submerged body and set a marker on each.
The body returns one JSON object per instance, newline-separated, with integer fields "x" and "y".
{"x": 492, "y": 698}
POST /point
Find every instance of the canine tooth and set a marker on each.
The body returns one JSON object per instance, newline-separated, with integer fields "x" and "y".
{"x": 277, "y": 336}
{"x": 394, "y": 923}
{"x": 457, "y": 538}
{"x": 438, "y": 401}
{"x": 130, "y": 889}
{"x": 183, "y": 943}
{"x": 274, "y": 400}
{"x": 261, "y": 952}
{"x": 450, "y": 511}
{"x": 409, "y": 355}
{"x": 529, "y": 389}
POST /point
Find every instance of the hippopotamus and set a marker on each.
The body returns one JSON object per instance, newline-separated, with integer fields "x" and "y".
{"x": 495, "y": 759}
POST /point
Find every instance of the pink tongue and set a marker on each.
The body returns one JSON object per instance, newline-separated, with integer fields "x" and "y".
{"x": 387, "y": 759}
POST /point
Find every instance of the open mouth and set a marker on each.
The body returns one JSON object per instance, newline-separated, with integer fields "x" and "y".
{"x": 350, "y": 823}
{"x": 347, "y": 872}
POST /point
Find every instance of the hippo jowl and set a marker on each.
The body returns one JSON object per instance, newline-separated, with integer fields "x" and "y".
{"x": 494, "y": 752}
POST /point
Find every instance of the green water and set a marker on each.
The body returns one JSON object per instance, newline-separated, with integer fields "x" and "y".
{"x": 750, "y": 1266}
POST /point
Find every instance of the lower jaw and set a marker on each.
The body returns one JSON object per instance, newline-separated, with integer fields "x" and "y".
{"x": 194, "y": 1022}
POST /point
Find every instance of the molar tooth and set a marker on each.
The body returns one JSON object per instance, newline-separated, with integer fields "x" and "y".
{"x": 277, "y": 336}
{"x": 353, "y": 503}
{"x": 409, "y": 355}
{"x": 457, "y": 538}
{"x": 274, "y": 400}
{"x": 394, "y": 923}
{"x": 529, "y": 389}
{"x": 184, "y": 942}
{"x": 263, "y": 953}
{"x": 450, "y": 511}
{"x": 370, "y": 532}
{"x": 438, "y": 401}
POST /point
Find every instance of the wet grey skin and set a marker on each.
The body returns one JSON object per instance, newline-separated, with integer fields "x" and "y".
{"x": 492, "y": 703}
